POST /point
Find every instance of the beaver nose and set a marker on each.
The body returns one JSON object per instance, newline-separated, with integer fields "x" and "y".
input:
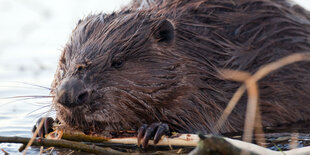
{"x": 72, "y": 92}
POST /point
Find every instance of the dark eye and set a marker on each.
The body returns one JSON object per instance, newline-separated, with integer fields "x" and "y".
{"x": 80, "y": 67}
{"x": 117, "y": 64}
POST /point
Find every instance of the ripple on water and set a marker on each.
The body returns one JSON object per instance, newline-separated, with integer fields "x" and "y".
{"x": 16, "y": 131}
{"x": 3, "y": 117}
{"x": 12, "y": 148}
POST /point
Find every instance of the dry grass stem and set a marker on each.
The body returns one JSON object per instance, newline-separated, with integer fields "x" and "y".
{"x": 249, "y": 82}
{"x": 231, "y": 105}
{"x": 34, "y": 136}
{"x": 293, "y": 58}
{"x": 258, "y": 129}
{"x": 294, "y": 141}
{"x": 252, "y": 105}
{"x": 41, "y": 150}
{"x": 5, "y": 153}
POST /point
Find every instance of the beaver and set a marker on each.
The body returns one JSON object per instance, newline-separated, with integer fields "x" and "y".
{"x": 153, "y": 66}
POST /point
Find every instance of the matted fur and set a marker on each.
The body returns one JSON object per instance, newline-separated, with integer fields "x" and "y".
{"x": 177, "y": 82}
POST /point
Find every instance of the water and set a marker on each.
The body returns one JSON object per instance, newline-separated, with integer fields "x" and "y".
{"x": 33, "y": 33}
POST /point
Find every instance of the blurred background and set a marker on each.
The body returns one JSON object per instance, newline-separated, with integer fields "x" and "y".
{"x": 32, "y": 35}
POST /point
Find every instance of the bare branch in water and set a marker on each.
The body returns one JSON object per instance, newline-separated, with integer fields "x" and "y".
{"x": 208, "y": 143}
{"x": 60, "y": 143}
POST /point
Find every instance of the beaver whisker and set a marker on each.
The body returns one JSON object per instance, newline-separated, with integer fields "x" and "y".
{"x": 35, "y": 85}
{"x": 41, "y": 103}
{"x": 19, "y": 99}
{"x": 28, "y": 97}
{"x": 19, "y": 87}
{"x": 42, "y": 113}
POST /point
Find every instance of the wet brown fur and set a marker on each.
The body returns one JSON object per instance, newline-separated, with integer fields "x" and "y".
{"x": 177, "y": 82}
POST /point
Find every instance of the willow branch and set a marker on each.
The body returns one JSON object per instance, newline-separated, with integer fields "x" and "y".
{"x": 60, "y": 143}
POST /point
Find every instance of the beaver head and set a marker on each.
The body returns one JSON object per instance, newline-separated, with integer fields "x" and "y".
{"x": 119, "y": 71}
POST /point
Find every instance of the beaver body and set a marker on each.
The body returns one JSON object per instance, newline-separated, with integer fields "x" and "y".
{"x": 158, "y": 61}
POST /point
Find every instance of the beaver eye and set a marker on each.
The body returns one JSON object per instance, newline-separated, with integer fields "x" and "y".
{"x": 80, "y": 67}
{"x": 117, "y": 64}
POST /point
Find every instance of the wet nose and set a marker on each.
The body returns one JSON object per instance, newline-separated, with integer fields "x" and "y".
{"x": 72, "y": 92}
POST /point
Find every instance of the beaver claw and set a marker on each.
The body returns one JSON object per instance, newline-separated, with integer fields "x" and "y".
{"x": 155, "y": 131}
{"x": 46, "y": 128}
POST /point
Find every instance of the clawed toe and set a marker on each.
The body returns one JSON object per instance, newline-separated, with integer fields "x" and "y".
{"x": 46, "y": 128}
{"x": 154, "y": 131}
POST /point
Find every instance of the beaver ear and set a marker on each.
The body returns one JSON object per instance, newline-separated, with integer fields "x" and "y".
{"x": 164, "y": 32}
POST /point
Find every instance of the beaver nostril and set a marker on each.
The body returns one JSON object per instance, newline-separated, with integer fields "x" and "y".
{"x": 82, "y": 98}
{"x": 72, "y": 92}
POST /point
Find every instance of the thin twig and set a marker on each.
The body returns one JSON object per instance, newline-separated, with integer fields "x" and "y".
{"x": 187, "y": 140}
{"x": 34, "y": 135}
{"x": 251, "y": 109}
{"x": 59, "y": 143}
{"x": 175, "y": 140}
{"x": 262, "y": 72}
{"x": 5, "y": 153}
{"x": 294, "y": 141}
{"x": 258, "y": 129}
{"x": 232, "y": 75}
{"x": 41, "y": 150}
{"x": 252, "y": 118}
{"x": 36, "y": 132}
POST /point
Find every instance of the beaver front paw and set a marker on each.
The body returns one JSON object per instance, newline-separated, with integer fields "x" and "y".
{"x": 155, "y": 131}
{"x": 46, "y": 128}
